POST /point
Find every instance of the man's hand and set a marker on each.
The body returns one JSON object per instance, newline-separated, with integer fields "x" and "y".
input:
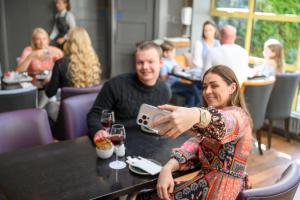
{"x": 100, "y": 135}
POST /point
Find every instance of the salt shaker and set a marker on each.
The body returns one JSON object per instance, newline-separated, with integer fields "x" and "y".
{"x": 120, "y": 150}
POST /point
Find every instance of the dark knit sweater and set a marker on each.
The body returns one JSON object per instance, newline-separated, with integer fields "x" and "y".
{"x": 124, "y": 95}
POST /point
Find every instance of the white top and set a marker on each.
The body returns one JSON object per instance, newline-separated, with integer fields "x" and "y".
{"x": 70, "y": 19}
{"x": 199, "y": 52}
{"x": 231, "y": 55}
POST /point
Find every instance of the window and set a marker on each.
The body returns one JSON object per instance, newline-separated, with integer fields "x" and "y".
{"x": 258, "y": 20}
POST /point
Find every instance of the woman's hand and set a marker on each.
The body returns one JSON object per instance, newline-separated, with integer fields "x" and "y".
{"x": 165, "y": 183}
{"x": 180, "y": 120}
{"x": 41, "y": 54}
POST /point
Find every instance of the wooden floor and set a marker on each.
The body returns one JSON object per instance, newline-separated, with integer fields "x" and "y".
{"x": 266, "y": 169}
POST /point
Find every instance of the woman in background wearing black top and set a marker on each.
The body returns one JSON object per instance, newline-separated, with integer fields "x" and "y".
{"x": 79, "y": 68}
{"x": 64, "y": 20}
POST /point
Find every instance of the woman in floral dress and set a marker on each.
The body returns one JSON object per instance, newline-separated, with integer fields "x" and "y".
{"x": 220, "y": 147}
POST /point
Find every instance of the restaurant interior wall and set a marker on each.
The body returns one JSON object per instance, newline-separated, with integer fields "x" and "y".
{"x": 19, "y": 18}
{"x": 100, "y": 18}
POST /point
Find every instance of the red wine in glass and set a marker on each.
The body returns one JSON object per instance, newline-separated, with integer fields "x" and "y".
{"x": 106, "y": 123}
{"x": 117, "y": 139}
{"x": 107, "y": 119}
{"x": 117, "y": 136}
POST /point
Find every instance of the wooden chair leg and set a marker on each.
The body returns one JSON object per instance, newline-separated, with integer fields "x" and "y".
{"x": 258, "y": 137}
{"x": 270, "y": 133}
{"x": 287, "y": 129}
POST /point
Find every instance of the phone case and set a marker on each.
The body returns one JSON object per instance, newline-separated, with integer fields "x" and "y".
{"x": 148, "y": 114}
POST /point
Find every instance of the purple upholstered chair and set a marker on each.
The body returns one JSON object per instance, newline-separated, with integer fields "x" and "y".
{"x": 24, "y": 128}
{"x": 58, "y": 129}
{"x": 71, "y": 91}
{"x": 75, "y": 110}
{"x": 285, "y": 188}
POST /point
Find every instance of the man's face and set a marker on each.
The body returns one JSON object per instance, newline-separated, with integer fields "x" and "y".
{"x": 148, "y": 65}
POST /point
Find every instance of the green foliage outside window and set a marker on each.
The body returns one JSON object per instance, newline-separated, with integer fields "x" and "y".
{"x": 286, "y": 32}
{"x": 278, "y": 6}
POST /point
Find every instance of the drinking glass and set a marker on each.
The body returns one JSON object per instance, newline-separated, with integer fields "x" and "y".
{"x": 107, "y": 119}
{"x": 117, "y": 136}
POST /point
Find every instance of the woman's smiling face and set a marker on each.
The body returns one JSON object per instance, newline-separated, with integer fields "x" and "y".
{"x": 216, "y": 92}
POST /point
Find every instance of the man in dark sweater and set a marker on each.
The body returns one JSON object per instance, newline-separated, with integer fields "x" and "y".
{"x": 125, "y": 93}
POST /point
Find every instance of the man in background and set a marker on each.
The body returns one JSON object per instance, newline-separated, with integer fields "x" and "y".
{"x": 229, "y": 54}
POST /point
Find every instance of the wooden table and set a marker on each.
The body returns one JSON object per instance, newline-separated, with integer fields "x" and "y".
{"x": 71, "y": 170}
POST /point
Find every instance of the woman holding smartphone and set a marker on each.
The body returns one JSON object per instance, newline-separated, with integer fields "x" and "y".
{"x": 220, "y": 146}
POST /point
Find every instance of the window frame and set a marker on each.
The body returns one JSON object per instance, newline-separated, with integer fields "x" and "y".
{"x": 250, "y": 15}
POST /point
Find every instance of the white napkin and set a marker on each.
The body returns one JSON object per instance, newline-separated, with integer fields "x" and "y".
{"x": 26, "y": 85}
{"x": 144, "y": 164}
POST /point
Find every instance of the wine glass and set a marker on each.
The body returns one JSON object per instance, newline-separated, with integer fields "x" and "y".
{"x": 107, "y": 119}
{"x": 117, "y": 136}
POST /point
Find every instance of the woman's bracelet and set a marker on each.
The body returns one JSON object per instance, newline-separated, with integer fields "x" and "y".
{"x": 202, "y": 118}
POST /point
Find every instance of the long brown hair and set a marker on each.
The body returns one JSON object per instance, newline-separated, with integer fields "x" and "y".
{"x": 236, "y": 98}
{"x": 278, "y": 57}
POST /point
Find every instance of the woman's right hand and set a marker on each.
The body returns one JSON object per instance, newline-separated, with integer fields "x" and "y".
{"x": 180, "y": 120}
{"x": 41, "y": 54}
{"x": 165, "y": 184}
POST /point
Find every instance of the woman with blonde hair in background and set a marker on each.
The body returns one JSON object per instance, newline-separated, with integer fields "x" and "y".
{"x": 39, "y": 56}
{"x": 79, "y": 68}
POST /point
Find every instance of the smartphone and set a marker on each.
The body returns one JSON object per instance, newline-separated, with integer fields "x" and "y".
{"x": 148, "y": 114}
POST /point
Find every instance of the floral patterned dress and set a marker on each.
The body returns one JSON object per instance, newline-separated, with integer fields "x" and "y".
{"x": 221, "y": 150}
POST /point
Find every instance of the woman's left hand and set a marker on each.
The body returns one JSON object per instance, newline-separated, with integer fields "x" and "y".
{"x": 165, "y": 184}
{"x": 180, "y": 120}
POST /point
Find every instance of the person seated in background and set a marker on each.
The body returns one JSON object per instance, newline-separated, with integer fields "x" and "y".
{"x": 39, "y": 56}
{"x": 229, "y": 54}
{"x": 273, "y": 55}
{"x": 80, "y": 67}
{"x": 64, "y": 21}
{"x": 125, "y": 93}
{"x": 188, "y": 90}
{"x": 208, "y": 41}
{"x": 220, "y": 147}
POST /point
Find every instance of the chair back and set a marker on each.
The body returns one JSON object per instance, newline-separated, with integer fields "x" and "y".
{"x": 71, "y": 91}
{"x": 75, "y": 110}
{"x": 279, "y": 106}
{"x": 257, "y": 94}
{"x": 17, "y": 99}
{"x": 284, "y": 188}
{"x": 182, "y": 60}
{"x": 24, "y": 128}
